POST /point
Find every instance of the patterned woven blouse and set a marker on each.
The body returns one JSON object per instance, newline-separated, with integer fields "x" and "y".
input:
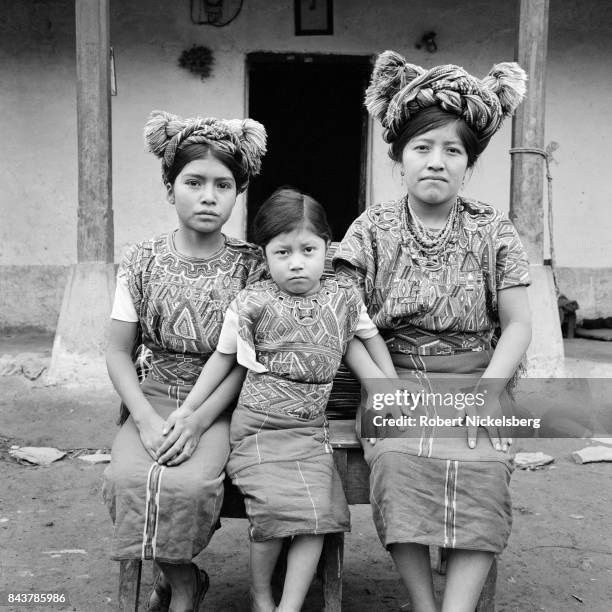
{"x": 292, "y": 344}
{"x": 433, "y": 304}
{"x": 180, "y": 300}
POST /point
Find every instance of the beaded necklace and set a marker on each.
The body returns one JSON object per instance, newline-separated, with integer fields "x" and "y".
{"x": 431, "y": 241}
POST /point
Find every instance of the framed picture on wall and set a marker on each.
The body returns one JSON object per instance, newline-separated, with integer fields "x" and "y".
{"x": 314, "y": 17}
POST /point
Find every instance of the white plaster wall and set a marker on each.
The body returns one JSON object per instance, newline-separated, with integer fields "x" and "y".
{"x": 38, "y": 169}
{"x": 579, "y": 118}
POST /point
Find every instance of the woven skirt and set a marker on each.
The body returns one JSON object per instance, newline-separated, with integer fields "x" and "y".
{"x": 441, "y": 502}
{"x": 436, "y": 490}
{"x": 285, "y": 469}
{"x": 160, "y": 512}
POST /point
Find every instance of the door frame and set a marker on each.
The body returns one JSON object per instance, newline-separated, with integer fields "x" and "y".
{"x": 271, "y": 57}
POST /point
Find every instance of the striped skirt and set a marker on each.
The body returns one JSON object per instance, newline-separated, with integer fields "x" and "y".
{"x": 436, "y": 490}
{"x": 441, "y": 502}
{"x": 285, "y": 470}
{"x": 159, "y": 512}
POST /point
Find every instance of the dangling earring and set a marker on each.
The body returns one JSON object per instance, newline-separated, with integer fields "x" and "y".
{"x": 402, "y": 177}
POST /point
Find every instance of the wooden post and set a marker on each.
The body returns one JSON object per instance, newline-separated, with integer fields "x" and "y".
{"x": 129, "y": 585}
{"x": 527, "y": 175}
{"x": 95, "y": 213}
{"x": 545, "y": 354}
{"x": 332, "y": 558}
{"x": 80, "y": 336}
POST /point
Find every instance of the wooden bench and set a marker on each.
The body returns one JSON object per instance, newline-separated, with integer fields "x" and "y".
{"x": 354, "y": 473}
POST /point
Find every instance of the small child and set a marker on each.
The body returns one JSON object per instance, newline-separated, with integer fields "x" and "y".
{"x": 290, "y": 333}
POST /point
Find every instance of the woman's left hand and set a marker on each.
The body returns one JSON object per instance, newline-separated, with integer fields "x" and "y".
{"x": 181, "y": 440}
{"x": 491, "y": 408}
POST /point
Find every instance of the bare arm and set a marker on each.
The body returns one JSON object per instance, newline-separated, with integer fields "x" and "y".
{"x": 125, "y": 380}
{"x": 515, "y": 322}
{"x": 214, "y": 372}
{"x": 360, "y": 362}
{"x": 377, "y": 348}
{"x": 222, "y": 397}
{"x": 216, "y": 387}
{"x": 365, "y": 357}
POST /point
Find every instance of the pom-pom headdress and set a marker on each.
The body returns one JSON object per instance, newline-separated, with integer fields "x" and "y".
{"x": 398, "y": 90}
{"x": 243, "y": 139}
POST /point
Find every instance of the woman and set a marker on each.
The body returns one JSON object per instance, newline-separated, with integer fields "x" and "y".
{"x": 165, "y": 499}
{"x": 439, "y": 273}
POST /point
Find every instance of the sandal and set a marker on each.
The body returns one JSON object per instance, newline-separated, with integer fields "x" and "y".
{"x": 161, "y": 594}
{"x": 202, "y": 582}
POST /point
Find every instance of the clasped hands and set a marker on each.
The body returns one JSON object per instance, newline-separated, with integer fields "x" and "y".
{"x": 173, "y": 441}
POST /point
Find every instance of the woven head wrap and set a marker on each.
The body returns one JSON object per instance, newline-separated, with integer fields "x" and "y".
{"x": 243, "y": 139}
{"x": 399, "y": 90}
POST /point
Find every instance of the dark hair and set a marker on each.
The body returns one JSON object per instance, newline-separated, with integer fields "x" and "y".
{"x": 288, "y": 209}
{"x": 431, "y": 118}
{"x": 193, "y": 151}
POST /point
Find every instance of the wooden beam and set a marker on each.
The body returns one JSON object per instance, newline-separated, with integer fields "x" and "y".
{"x": 527, "y": 175}
{"x": 95, "y": 241}
{"x": 332, "y": 558}
{"x": 129, "y": 583}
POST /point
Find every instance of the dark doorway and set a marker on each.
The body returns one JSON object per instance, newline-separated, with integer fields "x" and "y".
{"x": 312, "y": 108}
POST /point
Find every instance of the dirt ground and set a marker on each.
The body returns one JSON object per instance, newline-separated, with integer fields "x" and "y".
{"x": 55, "y": 532}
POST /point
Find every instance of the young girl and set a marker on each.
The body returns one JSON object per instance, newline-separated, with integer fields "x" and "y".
{"x": 176, "y": 288}
{"x": 291, "y": 333}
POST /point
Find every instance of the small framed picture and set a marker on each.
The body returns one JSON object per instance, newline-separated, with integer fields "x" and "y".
{"x": 314, "y": 17}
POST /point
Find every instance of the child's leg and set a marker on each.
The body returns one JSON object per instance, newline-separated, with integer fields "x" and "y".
{"x": 263, "y": 559}
{"x": 302, "y": 559}
{"x": 466, "y": 572}
{"x": 414, "y": 566}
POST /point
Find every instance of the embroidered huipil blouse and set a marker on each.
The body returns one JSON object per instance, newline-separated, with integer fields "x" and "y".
{"x": 433, "y": 304}
{"x": 180, "y": 301}
{"x": 292, "y": 344}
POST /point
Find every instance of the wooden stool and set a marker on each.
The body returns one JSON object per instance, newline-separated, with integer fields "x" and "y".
{"x": 355, "y": 476}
